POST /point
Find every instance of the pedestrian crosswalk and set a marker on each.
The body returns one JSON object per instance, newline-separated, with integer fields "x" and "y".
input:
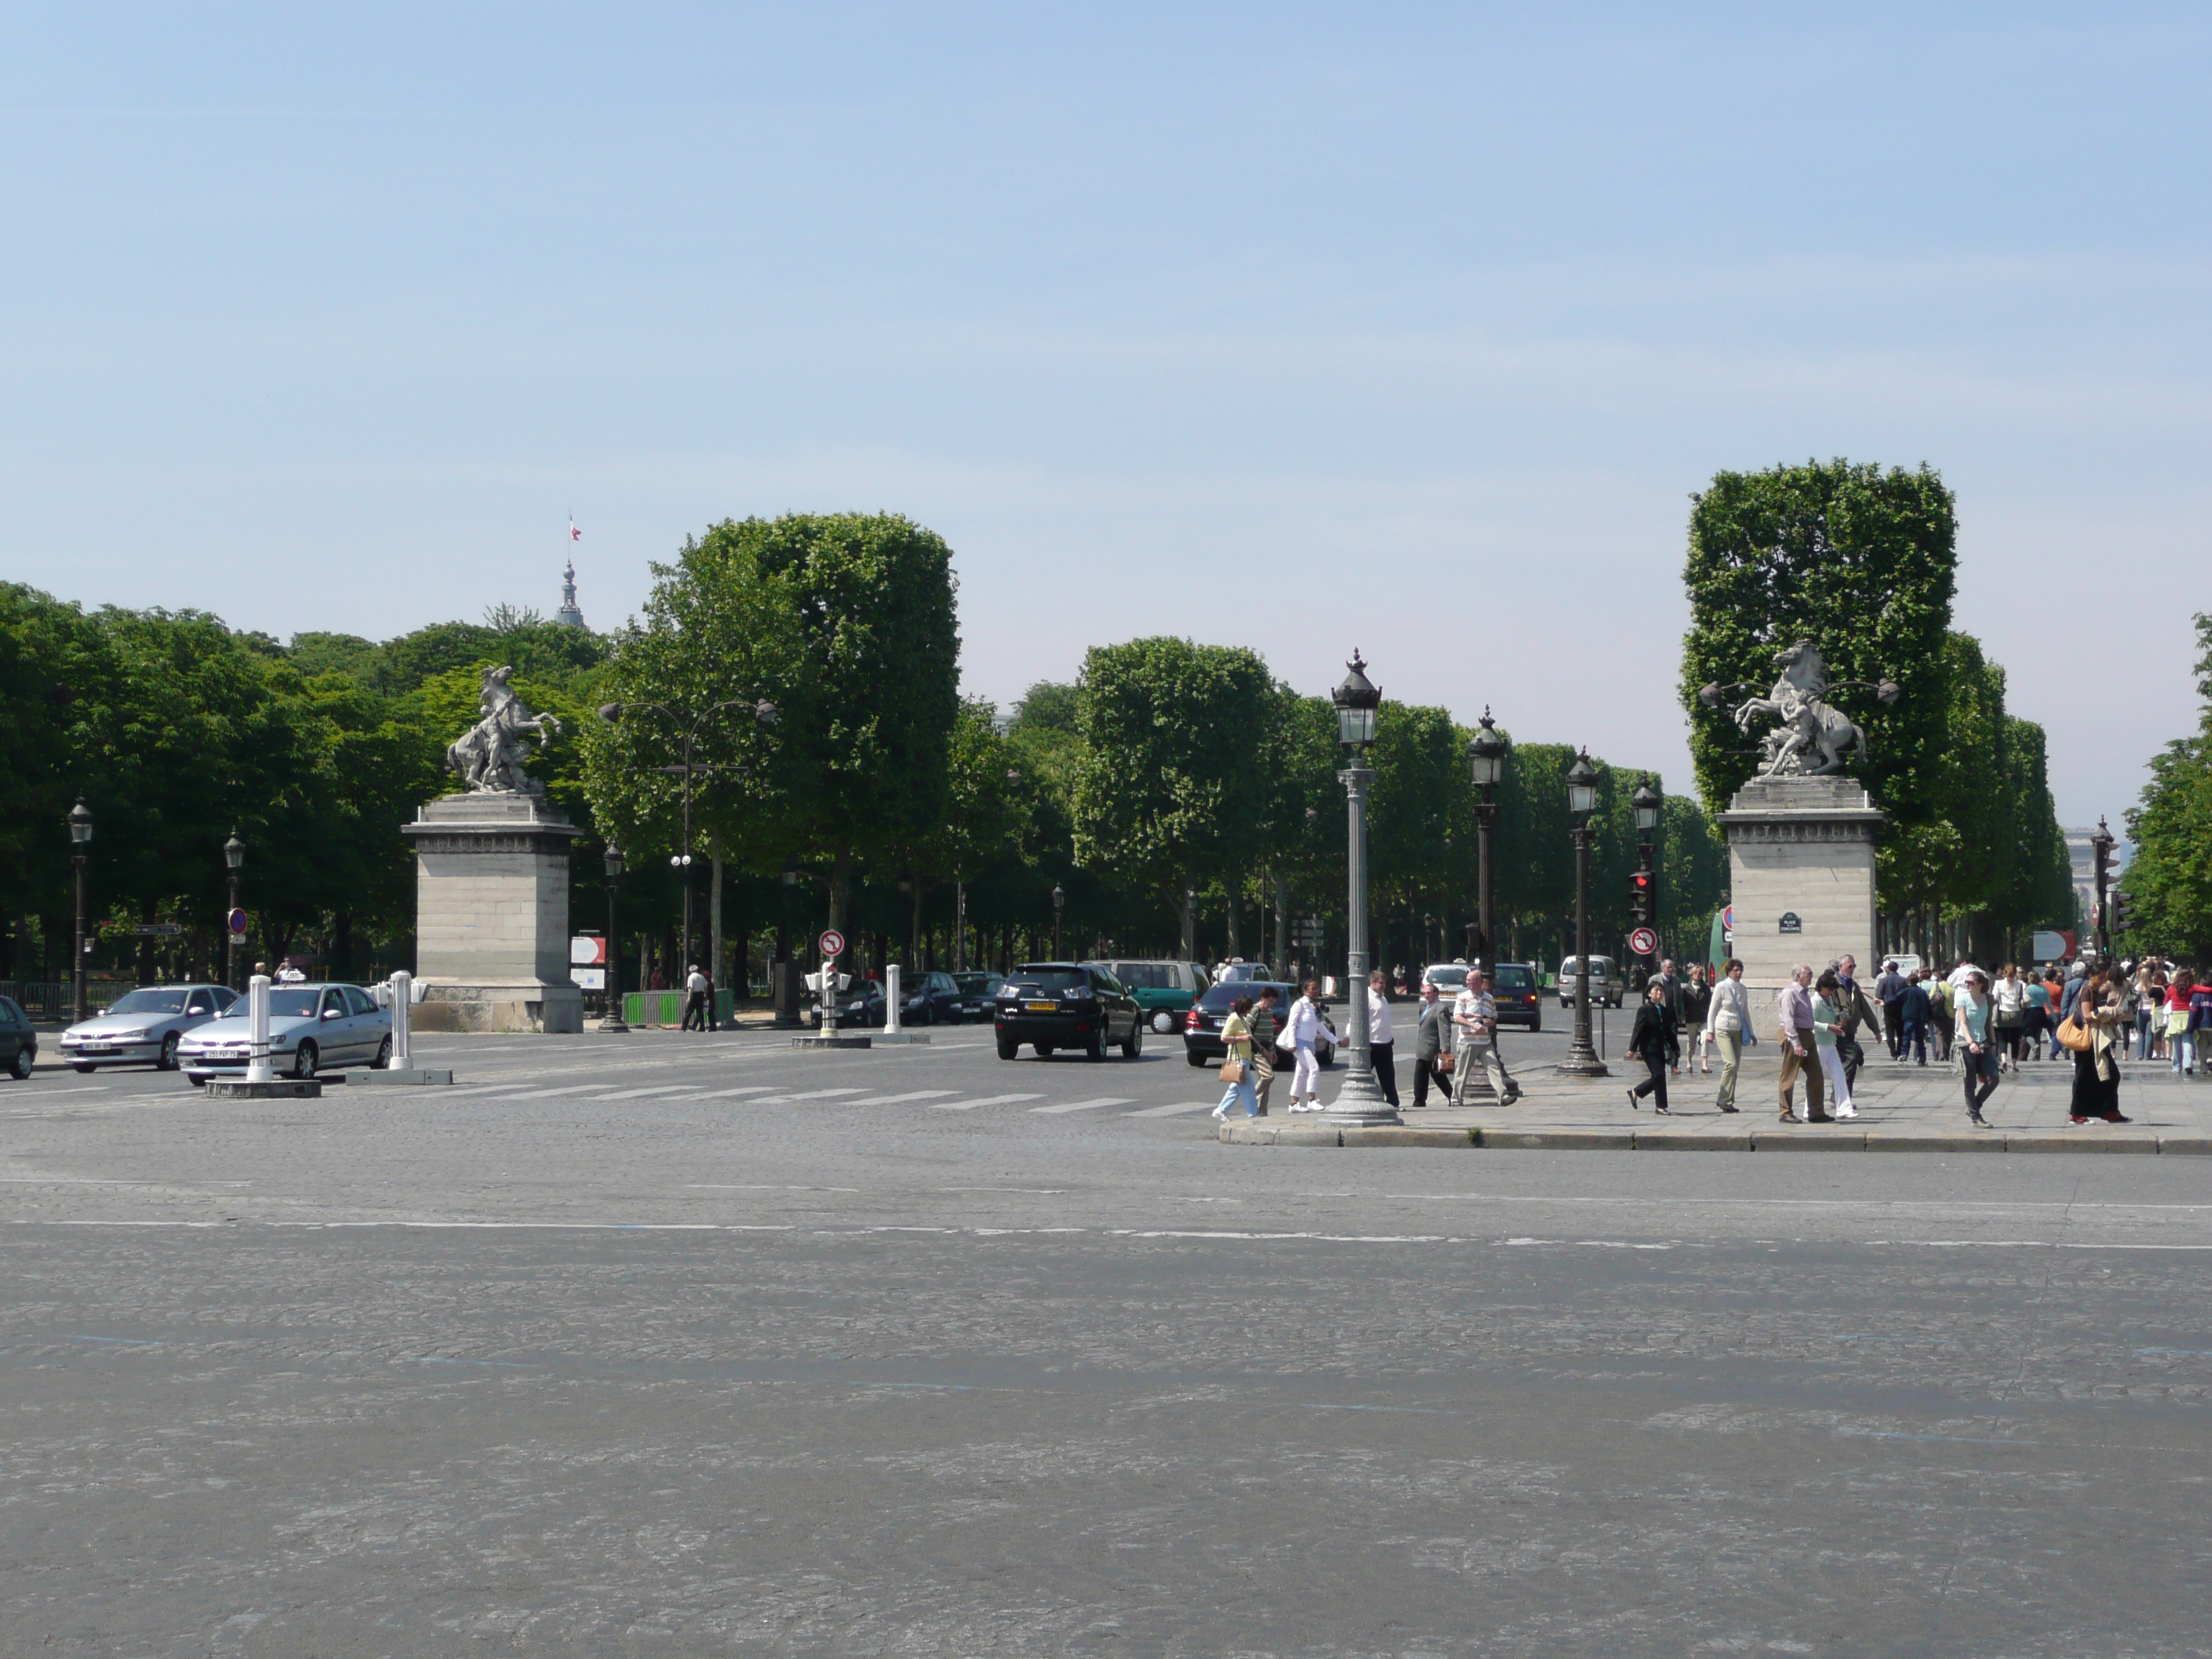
{"x": 703, "y": 1092}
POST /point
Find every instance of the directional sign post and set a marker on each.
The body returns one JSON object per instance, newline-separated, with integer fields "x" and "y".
{"x": 832, "y": 945}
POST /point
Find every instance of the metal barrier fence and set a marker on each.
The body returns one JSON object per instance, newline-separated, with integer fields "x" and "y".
{"x": 49, "y": 999}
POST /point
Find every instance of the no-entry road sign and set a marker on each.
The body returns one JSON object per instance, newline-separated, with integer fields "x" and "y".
{"x": 832, "y": 943}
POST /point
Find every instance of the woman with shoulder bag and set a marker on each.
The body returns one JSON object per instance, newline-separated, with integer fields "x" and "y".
{"x": 2096, "y": 1072}
{"x": 1236, "y": 1069}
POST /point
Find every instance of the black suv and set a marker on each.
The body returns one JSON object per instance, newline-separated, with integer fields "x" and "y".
{"x": 1064, "y": 1005}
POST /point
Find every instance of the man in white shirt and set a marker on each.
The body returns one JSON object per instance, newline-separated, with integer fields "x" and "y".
{"x": 1381, "y": 1038}
{"x": 695, "y": 1001}
{"x": 1474, "y": 1019}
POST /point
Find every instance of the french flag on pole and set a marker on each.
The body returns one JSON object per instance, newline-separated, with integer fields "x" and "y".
{"x": 574, "y": 534}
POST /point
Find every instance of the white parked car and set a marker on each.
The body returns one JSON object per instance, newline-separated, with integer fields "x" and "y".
{"x": 312, "y": 1028}
{"x": 144, "y": 1027}
{"x": 1605, "y": 981}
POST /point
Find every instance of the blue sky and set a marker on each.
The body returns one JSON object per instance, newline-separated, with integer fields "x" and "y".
{"x": 1404, "y": 327}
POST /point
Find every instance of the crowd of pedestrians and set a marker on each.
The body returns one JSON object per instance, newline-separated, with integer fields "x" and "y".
{"x": 1984, "y": 1025}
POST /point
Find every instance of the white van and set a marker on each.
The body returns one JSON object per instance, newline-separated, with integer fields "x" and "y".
{"x": 1604, "y": 981}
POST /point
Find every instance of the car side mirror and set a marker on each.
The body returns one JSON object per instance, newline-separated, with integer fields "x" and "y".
{"x": 330, "y": 1013}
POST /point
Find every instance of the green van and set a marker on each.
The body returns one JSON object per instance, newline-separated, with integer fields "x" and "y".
{"x": 1163, "y": 990}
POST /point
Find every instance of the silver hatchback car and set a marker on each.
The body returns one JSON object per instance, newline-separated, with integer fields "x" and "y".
{"x": 312, "y": 1028}
{"x": 144, "y": 1027}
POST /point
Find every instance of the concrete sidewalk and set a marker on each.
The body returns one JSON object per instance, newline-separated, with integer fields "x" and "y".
{"x": 1901, "y": 1107}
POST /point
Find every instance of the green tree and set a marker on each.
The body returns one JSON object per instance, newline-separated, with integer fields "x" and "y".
{"x": 2169, "y": 880}
{"x": 1861, "y": 562}
{"x": 1171, "y": 786}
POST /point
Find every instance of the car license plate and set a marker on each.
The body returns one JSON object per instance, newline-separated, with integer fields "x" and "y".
{"x": 1042, "y": 1007}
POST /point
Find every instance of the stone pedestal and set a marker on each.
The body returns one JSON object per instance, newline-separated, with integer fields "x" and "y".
{"x": 491, "y": 916}
{"x": 1801, "y": 850}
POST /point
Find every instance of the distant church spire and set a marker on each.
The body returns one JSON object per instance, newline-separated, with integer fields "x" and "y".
{"x": 568, "y": 613}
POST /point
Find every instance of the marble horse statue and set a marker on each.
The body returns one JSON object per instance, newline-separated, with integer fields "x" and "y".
{"x": 488, "y": 756}
{"x": 1812, "y": 736}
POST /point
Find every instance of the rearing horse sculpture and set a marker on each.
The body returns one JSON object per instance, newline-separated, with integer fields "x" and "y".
{"x": 489, "y": 755}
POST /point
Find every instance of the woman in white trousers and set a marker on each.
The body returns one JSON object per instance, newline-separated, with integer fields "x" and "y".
{"x": 1300, "y": 1027}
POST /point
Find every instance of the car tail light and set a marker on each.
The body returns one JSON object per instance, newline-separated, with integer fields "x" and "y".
{"x": 1190, "y": 1020}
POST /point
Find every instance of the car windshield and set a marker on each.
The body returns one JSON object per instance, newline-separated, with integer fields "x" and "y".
{"x": 973, "y": 981}
{"x": 148, "y": 1002}
{"x": 1567, "y": 969}
{"x": 1511, "y": 976}
{"x": 289, "y": 1003}
{"x": 1147, "y": 976}
{"x": 1048, "y": 979}
{"x": 1441, "y": 977}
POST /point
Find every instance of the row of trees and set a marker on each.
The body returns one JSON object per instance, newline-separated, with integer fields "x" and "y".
{"x": 2169, "y": 879}
{"x": 1165, "y": 769}
{"x": 1864, "y": 563}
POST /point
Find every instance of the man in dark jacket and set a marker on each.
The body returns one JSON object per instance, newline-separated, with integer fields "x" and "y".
{"x": 1432, "y": 1038}
{"x": 1915, "y": 1013}
{"x": 1652, "y": 1040}
{"x": 1889, "y": 991}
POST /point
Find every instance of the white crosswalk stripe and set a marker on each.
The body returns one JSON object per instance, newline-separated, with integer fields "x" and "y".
{"x": 988, "y": 1100}
{"x": 659, "y": 1088}
{"x": 1081, "y": 1105}
{"x": 811, "y": 1093}
{"x": 1172, "y": 1109}
{"x": 894, "y": 1100}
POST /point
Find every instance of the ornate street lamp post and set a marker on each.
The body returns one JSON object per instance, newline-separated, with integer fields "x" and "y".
{"x": 764, "y": 712}
{"x": 610, "y": 1018}
{"x": 1058, "y": 905}
{"x": 80, "y": 826}
{"x": 1582, "y": 1059}
{"x": 2100, "y": 845}
{"x": 233, "y": 857}
{"x": 1361, "y": 1099}
{"x": 1486, "y": 758}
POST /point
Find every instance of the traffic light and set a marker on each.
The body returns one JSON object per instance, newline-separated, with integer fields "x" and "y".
{"x": 1639, "y": 898}
{"x": 2123, "y": 904}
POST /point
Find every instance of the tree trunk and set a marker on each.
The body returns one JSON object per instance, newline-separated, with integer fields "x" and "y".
{"x": 341, "y": 946}
{"x": 1234, "y": 889}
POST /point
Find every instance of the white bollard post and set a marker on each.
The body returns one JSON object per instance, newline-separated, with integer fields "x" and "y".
{"x": 403, "y": 991}
{"x": 256, "y": 1028}
{"x": 891, "y": 999}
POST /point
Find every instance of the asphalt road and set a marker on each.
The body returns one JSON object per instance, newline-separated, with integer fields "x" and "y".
{"x": 697, "y": 1345}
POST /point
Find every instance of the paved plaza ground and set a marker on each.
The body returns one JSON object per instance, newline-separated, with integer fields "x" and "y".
{"x": 683, "y": 1345}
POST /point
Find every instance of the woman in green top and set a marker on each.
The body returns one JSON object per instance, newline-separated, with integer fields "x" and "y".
{"x": 1829, "y": 1007}
{"x": 1977, "y": 1043}
{"x": 1236, "y": 1037}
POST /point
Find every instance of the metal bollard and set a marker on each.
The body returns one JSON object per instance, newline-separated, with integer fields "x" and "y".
{"x": 258, "y": 1069}
{"x": 891, "y": 999}
{"x": 403, "y": 991}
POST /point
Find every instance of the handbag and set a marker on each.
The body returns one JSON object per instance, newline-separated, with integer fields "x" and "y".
{"x": 2073, "y": 1034}
{"x": 1444, "y": 1061}
{"x": 1233, "y": 1071}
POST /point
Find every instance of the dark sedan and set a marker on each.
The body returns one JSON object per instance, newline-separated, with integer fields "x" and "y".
{"x": 1201, "y": 1026}
{"x": 1519, "y": 998}
{"x": 19, "y": 1043}
{"x": 930, "y": 1000}
{"x": 979, "y": 995}
{"x": 1064, "y": 1005}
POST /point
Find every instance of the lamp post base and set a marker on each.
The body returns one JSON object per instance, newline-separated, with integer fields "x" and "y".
{"x": 1361, "y": 1100}
{"x": 1584, "y": 1065}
